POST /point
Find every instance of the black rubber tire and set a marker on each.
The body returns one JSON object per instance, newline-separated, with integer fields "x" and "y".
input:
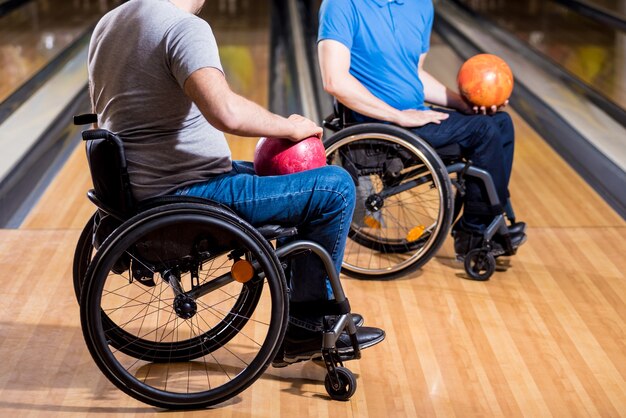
{"x": 82, "y": 256}
{"x": 108, "y": 355}
{"x": 479, "y": 264}
{"x": 347, "y": 385}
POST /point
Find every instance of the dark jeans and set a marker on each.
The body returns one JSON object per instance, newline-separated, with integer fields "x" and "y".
{"x": 488, "y": 141}
{"x": 319, "y": 202}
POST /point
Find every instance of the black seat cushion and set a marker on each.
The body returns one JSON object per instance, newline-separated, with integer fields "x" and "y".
{"x": 451, "y": 151}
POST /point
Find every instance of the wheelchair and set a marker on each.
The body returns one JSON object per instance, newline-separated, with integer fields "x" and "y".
{"x": 408, "y": 196}
{"x": 183, "y": 304}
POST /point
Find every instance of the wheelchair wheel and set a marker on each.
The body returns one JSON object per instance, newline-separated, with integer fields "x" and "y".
{"x": 191, "y": 336}
{"x": 479, "y": 264}
{"x": 346, "y": 386}
{"x": 86, "y": 248}
{"x": 122, "y": 340}
{"x": 404, "y": 199}
{"x": 82, "y": 256}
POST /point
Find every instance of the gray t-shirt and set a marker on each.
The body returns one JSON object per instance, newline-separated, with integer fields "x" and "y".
{"x": 140, "y": 55}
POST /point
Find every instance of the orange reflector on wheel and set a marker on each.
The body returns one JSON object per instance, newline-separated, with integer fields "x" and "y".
{"x": 371, "y": 222}
{"x": 242, "y": 271}
{"x": 415, "y": 233}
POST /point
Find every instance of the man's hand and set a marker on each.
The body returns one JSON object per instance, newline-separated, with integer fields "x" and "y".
{"x": 413, "y": 118}
{"x": 482, "y": 110}
{"x": 303, "y": 128}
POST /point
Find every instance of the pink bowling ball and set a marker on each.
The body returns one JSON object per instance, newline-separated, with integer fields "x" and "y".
{"x": 277, "y": 156}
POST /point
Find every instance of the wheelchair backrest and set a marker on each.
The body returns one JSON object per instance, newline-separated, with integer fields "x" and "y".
{"x": 341, "y": 117}
{"x": 109, "y": 173}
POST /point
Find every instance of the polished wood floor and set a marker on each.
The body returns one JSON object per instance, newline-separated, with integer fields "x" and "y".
{"x": 546, "y": 336}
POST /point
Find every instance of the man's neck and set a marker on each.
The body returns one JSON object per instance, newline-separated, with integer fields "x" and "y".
{"x": 190, "y": 6}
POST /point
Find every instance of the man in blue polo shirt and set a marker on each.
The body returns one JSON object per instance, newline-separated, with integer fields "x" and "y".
{"x": 371, "y": 55}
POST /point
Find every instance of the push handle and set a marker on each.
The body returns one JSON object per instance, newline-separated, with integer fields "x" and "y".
{"x": 85, "y": 119}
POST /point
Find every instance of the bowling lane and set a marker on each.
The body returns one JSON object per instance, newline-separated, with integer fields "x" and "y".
{"x": 592, "y": 51}
{"x": 34, "y": 34}
{"x": 242, "y": 32}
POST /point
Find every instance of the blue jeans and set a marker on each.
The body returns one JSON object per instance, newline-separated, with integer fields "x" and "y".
{"x": 488, "y": 141}
{"x": 319, "y": 202}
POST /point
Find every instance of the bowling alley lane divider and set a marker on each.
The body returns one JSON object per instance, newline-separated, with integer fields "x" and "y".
{"x": 36, "y": 136}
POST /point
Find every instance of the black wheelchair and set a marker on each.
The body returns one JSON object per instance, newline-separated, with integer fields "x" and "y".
{"x": 408, "y": 195}
{"x": 182, "y": 303}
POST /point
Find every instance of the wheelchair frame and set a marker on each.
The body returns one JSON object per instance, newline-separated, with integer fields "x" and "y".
{"x": 479, "y": 263}
{"x": 106, "y": 338}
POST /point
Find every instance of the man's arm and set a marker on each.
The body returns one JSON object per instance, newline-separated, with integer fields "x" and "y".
{"x": 334, "y": 59}
{"x": 437, "y": 93}
{"x": 234, "y": 114}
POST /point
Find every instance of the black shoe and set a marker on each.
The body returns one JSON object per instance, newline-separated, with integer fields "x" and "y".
{"x": 302, "y": 345}
{"x": 357, "y": 318}
{"x": 517, "y": 228}
{"x": 466, "y": 240}
{"x": 517, "y": 239}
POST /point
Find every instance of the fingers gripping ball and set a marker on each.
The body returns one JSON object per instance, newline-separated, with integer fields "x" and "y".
{"x": 276, "y": 156}
{"x": 485, "y": 80}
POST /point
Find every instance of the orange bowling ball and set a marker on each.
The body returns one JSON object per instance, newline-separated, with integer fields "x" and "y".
{"x": 277, "y": 156}
{"x": 485, "y": 80}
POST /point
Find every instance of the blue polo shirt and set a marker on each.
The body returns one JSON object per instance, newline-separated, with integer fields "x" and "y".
{"x": 385, "y": 39}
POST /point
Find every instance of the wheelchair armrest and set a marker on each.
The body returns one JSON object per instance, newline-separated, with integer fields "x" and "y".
{"x": 271, "y": 232}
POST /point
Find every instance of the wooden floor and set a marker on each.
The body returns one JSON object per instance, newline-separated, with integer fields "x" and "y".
{"x": 546, "y": 336}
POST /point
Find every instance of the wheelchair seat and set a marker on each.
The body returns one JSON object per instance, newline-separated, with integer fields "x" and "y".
{"x": 183, "y": 303}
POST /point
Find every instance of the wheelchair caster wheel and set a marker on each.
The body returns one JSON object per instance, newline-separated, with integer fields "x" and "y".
{"x": 480, "y": 264}
{"x": 346, "y": 385}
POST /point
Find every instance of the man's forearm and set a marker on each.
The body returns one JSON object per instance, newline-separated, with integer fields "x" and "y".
{"x": 246, "y": 118}
{"x": 438, "y": 94}
{"x": 230, "y": 112}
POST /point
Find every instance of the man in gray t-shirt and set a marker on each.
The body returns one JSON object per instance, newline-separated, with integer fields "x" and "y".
{"x": 137, "y": 74}
{"x": 156, "y": 80}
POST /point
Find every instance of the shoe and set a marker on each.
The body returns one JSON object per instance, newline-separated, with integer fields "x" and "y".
{"x": 466, "y": 240}
{"x": 517, "y": 228}
{"x": 357, "y": 318}
{"x": 302, "y": 345}
{"x": 517, "y": 239}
